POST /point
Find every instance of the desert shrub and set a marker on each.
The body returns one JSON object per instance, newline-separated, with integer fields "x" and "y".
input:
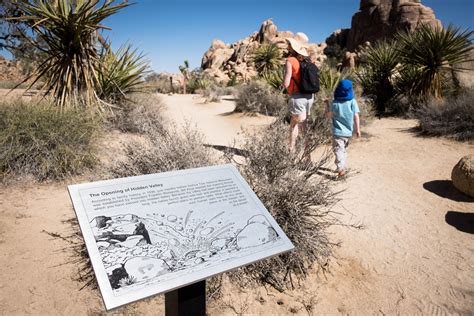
{"x": 172, "y": 148}
{"x": 367, "y": 110}
{"x": 452, "y": 117}
{"x": 161, "y": 83}
{"x": 198, "y": 82}
{"x": 214, "y": 92}
{"x": 38, "y": 140}
{"x": 317, "y": 120}
{"x": 233, "y": 81}
{"x": 141, "y": 114}
{"x": 9, "y": 84}
{"x": 296, "y": 196}
{"x": 259, "y": 97}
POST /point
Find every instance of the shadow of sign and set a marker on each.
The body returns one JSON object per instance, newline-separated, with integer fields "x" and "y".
{"x": 461, "y": 221}
{"x": 446, "y": 189}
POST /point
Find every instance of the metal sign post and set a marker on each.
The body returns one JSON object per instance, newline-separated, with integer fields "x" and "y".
{"x": 187, "y": 301}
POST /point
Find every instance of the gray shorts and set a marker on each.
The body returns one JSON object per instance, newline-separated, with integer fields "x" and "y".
{"x": 300, "y": 103}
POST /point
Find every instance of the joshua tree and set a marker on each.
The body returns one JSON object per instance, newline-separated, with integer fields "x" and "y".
{"x": 430, "y": 54}
{"x": 69, "y": 31}
{"x": 185, "y": 71}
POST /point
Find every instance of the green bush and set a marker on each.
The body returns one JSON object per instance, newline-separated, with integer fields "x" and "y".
{"x": 452, "y": 117}
{"x": 259, "y": 97}
{"x": 40, "y": 141}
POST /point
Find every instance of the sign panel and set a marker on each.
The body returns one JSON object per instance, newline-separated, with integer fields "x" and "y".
{"x": 155, "y": 233}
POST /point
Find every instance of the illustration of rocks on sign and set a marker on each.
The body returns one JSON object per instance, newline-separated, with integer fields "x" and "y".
{"x": 136, "y": 250}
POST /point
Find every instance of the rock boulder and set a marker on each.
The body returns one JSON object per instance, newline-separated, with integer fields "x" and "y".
{"x": 378, "y": 19}
{"x": 223, "y": 62}
{"x": 463, "y": 175}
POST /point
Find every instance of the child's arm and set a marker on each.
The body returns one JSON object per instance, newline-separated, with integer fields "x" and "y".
{"x": 357, "y": 124}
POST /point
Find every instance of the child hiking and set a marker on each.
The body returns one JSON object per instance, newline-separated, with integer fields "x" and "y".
{"x": 344, "y": 112}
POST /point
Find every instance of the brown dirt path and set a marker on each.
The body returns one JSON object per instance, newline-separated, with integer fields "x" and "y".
{"x": 407, "y": 260}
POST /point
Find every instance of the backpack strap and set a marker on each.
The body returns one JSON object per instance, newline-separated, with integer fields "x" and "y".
{"x": 296, "y": 83}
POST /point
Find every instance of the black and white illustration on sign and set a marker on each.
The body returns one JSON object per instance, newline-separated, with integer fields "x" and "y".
{"x": 151, "y": 234}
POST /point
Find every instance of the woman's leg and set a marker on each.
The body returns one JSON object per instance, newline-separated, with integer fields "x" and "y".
{"x": 297, "y": 125}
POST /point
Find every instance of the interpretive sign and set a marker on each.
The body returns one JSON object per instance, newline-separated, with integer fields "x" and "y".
{"x": 155, "y": 233}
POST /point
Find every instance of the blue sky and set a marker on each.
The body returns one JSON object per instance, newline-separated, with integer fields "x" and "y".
{"x": 170, "y": 31}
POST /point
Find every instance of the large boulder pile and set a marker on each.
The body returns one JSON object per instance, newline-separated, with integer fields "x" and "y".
{"x": 381, "y": 19}
{"x": 463, "y": 175}
{"x": 225, "y": 61}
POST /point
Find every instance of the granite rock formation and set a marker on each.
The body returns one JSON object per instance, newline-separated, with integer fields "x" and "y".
{"x": 225, "y": 61}
{"x": 379, "y": 19}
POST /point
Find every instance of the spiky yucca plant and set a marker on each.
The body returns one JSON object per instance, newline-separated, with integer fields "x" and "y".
{"x": 267, "y": 58}
{"x": 378, "y": 67}
{"x": 121, "y": 73}
{"x": 433, "y": 52}
{"x": 275, "y": 78}
{"x": 68, "y": 29}
{"x": 329, "y": 77}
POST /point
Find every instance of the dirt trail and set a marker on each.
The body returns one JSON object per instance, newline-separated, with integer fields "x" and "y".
{"x": 409, "y": 259}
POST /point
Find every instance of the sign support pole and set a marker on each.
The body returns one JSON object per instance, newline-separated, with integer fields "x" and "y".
{"x": 187, "y": 301}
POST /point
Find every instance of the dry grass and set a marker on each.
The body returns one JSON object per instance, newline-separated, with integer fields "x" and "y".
{"x": 140, "y": 114}
{"x": 297, "y": 197}
{"x": 164, "y": 147}
{"x": 37, "y": 140}
{"x": 452, "y": 117}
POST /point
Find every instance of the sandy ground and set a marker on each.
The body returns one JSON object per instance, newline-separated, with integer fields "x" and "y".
{"x": 414, "y": 256}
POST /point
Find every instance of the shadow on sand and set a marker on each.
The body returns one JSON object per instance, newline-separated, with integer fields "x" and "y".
{"x": 446, "y": 189}
{"x": 461, "y": 221}
{"x": 227, "y": 149}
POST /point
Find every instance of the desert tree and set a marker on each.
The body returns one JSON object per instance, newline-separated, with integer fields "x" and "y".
{"x": 69, "y": 31}
{"x": 184, "y": 69}
{"x": 376, "y": 74}
{"x": 430, "y": 56}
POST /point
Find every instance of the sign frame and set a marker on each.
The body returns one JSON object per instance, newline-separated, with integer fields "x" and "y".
{"x": 242, "y": 239}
